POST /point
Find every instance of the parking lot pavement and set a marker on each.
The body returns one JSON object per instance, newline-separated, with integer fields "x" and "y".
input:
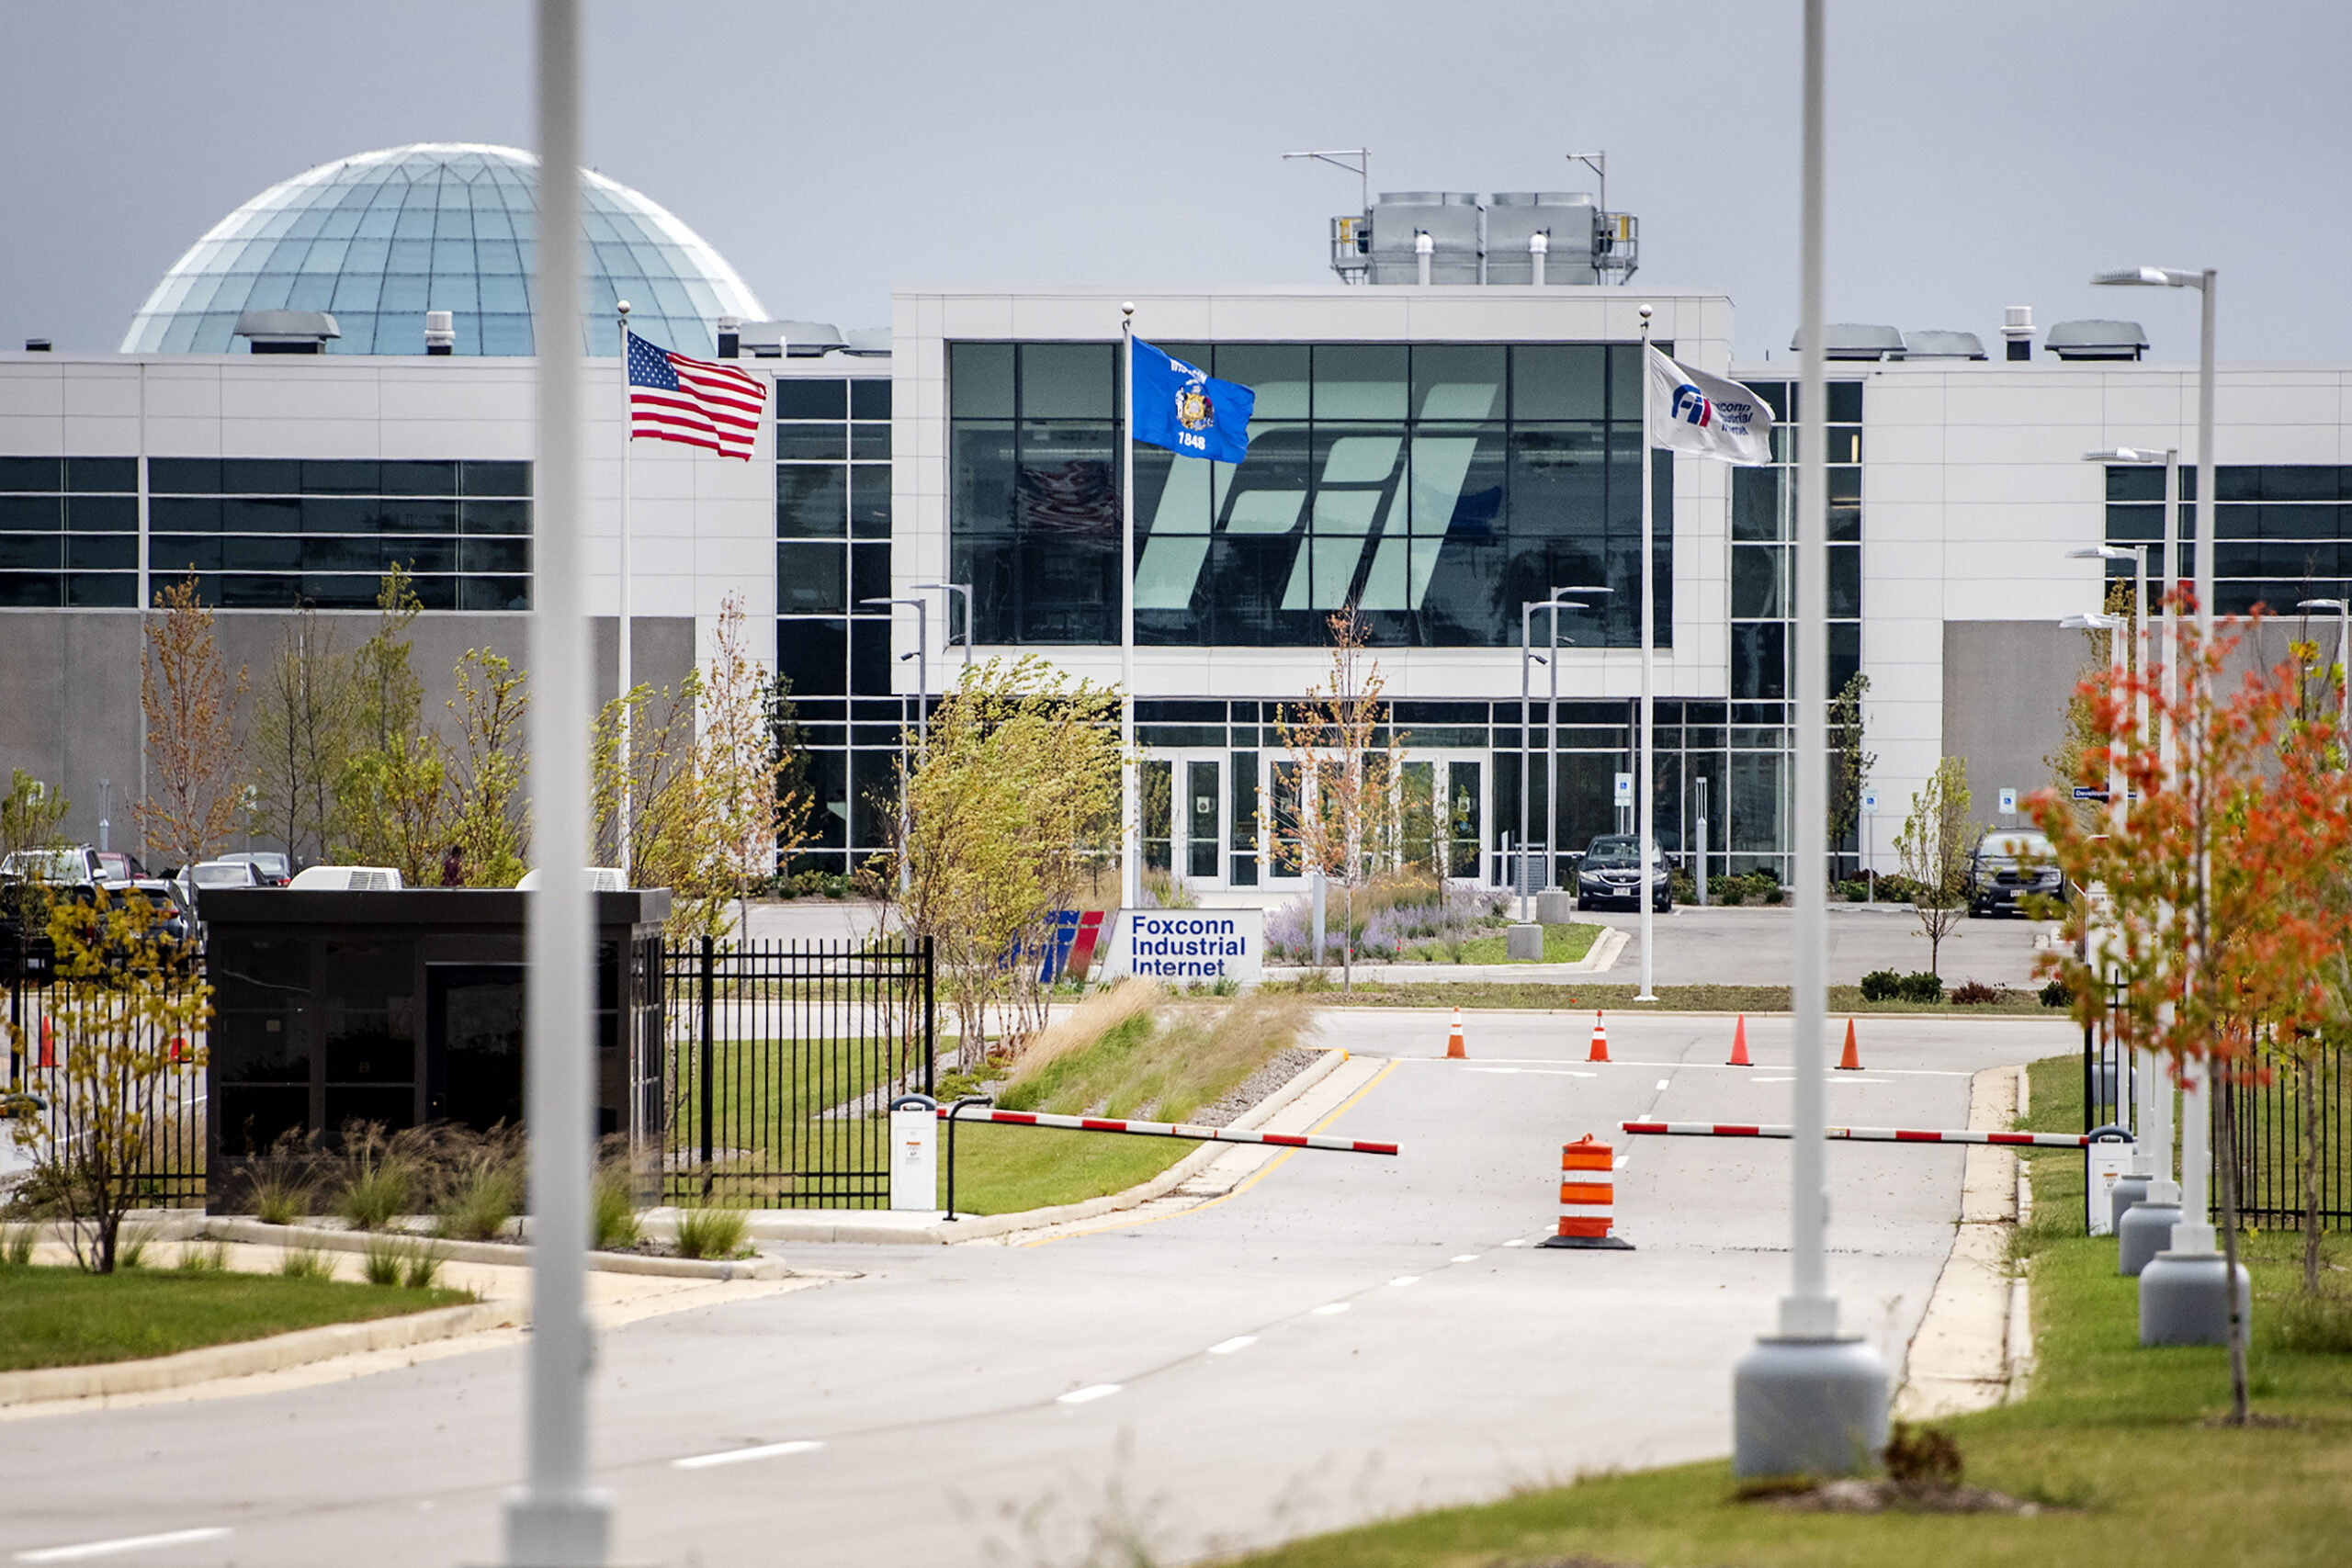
{"x": 1746, "y": 946}
{"x": 1345, "y": 1337}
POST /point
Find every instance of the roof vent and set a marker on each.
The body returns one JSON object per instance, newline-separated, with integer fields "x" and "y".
{"x": 440, "y": 332}
{"x": 808, "y": 340}
{"x": 730, "y": 337}
{"x": 287, "y": 332}
{"x": 867, "y": 343}
{"x": 2016, "y": 329}
{"x": 2096, "y": 340}
{"x": 36, "y": 345}
{"x": 759, "y": 340}
{"x": 1942, "y": 345}
{"x": 1846, "y": 339}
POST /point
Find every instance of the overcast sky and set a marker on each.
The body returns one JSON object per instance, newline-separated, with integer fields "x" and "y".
{"x": 1980, "y": 155}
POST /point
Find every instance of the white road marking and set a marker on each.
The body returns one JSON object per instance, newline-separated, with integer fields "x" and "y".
{"x": 1327, "y": 1308}
{"x": 1406, "y": 1279}
{"x": 1661, "y": 1083}
{"x": 1621, "y": 1159}
{"x": 121, "y": 1543}
{"x": 1089, "y": 1394}
{"x": 1465, "y": 1257}
{"x": 743, "y": 1455}
{"x": 1227, "y": 1346}
{"x": 1515, "y": 1241}
{"x": 1535, "y": 1072}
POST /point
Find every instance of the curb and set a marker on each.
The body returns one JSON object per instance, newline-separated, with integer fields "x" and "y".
{"x": 275, "y": 1353}
{"x": 779, "y": 1227}
{"x": 1598, "y": 959}
{"x": 255, "y": 1232}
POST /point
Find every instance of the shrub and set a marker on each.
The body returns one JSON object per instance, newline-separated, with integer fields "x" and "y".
{"x": 2316, "y": 1322}
{"x": 482, "y": 1197}
{"x": 420, "y": 1270}
{"x": 709, "y": 1232}
{"x": 381, "y": 1177}
{"x": 382, "y": 1261}
{"x": 1723, "y": 888}
{"x": 305, "y": 1263}
{"x": 1921, "y": 986}
{"x": 200, "y": 1258}
{"x": 1923, "y": 1457}
{"x": 2056, "y": 994}
{"x": 1772, "y": 893}
{"x": 1856, "y": 892}
{"x": 1974, "y": 993}
{"x": 16, "y": 1242}
{"x": 1882, "y": 986}
{"x": 280, "y": 1197}
{"x": 613, "y": 1207}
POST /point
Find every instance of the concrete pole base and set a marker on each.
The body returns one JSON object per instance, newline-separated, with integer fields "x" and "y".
{"x": 1808, "y": 1407}
{"x": 2184, "y": 1300}
{"x": 1524, "y": 944}
{"x": 2141, "y": 1232}
{"x": 2127, "y": 1189}
{"x": 1556, "y": 908}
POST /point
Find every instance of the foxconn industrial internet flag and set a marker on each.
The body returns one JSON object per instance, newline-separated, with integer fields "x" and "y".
{"x": 673, "y": 398}
{"x": 1693, "y": 412}
{"x": 1186, "y": 409}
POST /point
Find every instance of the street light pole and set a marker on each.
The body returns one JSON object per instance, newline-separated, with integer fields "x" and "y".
{"x": 1644, "y": 817}
{"x": 1526, "y": 718}
{"x": 947, "y": 621}
{"x": 1552, "y": 729}
{"x": 1809, "y": 1399}
{"x": 922, "y": 723}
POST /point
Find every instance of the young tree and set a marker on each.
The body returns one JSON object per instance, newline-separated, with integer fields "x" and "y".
{"x": 667, "y": 822}
{"x": 1933, "y": 851}
{"x": 387, "y": 698}
{"x": 489, "y": 822}
{"x": 1349, "y": 761}
{"x": 300, "y": 744}
{"x": 29, "y": 813}
{"x": 1849, "y": 765}
{"x": 755, "y": 824}
{"x": 190, "y": 704}
{"x": 2318, "y": 688}
{"x": 123, "y": 1020}
{"x": 1017, "y": 791}
{"x": 2218, "y": 880}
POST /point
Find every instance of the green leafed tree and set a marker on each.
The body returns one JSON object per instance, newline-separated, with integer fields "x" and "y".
{"x": 1933, "y": 851}
{"x": 299, "y": 738}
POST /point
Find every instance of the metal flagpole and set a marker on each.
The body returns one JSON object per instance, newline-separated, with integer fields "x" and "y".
{"x": 1130, "y": 801}
{"x": 1647, "y": 830}
{"x": 2194, "y": 1231}
{"x": 1809, "y": 1399}
{"x": 556, "y": 1519}
{"x": 623, "y": 620}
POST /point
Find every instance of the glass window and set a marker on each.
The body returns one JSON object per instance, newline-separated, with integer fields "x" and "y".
{"x": 121, "y": 475}
{"x": 495, "y": 517}
{"x": 811, "y": 580}
{"x": 797, "y": 399}
{"x": 495, "y": 478}
{"x": 1758, "y": 582}
{"x": 1361, "y": 381}
{"x": 814, "y": 655}
{"x": 870, "y": 441}
{"x": 1845, "y": 581}
{"x": 811, "y": 442}
{"x": 1559, "y": 381}
{"x": 811, "y": 502}
{"x": 1759, "y": 668}
{"x": 184, "y": 476}
{"x": 869, "y": 397}
{"x": 31, "y": 514}
{"x": 869, "y": 497}
{"x": 870, "y": 573}
{"x": 102, "y": 513}
{"x": 980, "y": 380}
{"x": 1068, "y": 380}
{"x": 32, "y": 474}
{"x": 1276, "y": 372}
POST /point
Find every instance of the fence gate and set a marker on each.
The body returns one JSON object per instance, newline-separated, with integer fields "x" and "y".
{"x": 2267, "y": 1115}
{"x": 780, "y": 1060}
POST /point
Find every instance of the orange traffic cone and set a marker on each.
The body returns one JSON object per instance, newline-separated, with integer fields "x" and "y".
{"x": 1453, "y": 1047}
{"x": 1851, "y": 1062}
{"x": 1599, "y": 1052}
{"x": 1739, "y": 1044}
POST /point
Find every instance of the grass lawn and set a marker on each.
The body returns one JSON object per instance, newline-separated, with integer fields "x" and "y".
{"x": 1578, "y": 994}
{"x": 2114, "y": 1437}
{"x": 64, "y": 1317}
{"x": 1000, "y": 1170}
{"x": 1562, "y": 945}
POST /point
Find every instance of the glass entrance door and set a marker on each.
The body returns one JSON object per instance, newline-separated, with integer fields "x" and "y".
{"x": 1204, "y": 818}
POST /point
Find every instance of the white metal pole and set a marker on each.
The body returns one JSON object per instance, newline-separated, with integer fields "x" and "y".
{"x": 2163, "y": 1188}
{"x": 624, "y": 619}
{"x": 1646, "y": 832}
{"x": 1526, "y": 631}
{"x": 1552, "y": 761}
{"x": 1130, "y": 791}
{"x": 556, "y": 1519}
{"x": 1809, "y": 1310}
{"x": 2194, "y": 1231}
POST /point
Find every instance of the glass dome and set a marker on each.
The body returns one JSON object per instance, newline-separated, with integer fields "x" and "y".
{"x": 379, "y": 239}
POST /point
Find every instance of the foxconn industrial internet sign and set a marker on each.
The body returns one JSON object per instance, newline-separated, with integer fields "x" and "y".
{"x": 1188, "y": 947}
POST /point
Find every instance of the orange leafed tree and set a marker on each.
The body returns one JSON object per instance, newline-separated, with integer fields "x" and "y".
{"x": 2219, "y": 928}
{"x": 190, "y": 805}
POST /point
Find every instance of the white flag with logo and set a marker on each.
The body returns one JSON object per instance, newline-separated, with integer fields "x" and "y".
{"x": 1693, "y": 412}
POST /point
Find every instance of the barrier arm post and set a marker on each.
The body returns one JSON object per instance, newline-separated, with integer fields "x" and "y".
{"x": 967, "y": 1100}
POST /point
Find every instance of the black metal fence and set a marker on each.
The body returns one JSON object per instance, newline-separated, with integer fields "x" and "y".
{"x": 780, "y": 1063}
{"x": 166, "y": 1109}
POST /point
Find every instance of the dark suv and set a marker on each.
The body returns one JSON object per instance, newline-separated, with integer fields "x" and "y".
{"x": 2008, "y": 866}
{"x": 1610, "y": 873}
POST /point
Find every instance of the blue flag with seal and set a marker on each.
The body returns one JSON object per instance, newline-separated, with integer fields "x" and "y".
{"x": 1186, "y": 409}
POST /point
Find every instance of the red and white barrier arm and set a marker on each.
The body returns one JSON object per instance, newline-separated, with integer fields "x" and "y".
{"x": 1860, "y": 1134}
{"x": 1172, "y": 1130}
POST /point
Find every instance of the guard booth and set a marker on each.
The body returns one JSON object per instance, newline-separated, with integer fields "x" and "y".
{"x": 405, "y": 1008}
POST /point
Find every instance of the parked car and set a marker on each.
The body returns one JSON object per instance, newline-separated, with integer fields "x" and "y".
{"x": 2007, "y": 865}
{"x": 119, "y": 867}
{"x": 1610, "y": 873}
{"x": 275, "y": 870}
{"x": 79, "y": 866}
{"x": 347, "y": 879}
{"x": 194, "y": 879}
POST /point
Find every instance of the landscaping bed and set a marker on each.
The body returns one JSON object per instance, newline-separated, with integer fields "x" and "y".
{"x": 2116, "y": 1449}
{"x": 64, "y": 1317}
{"x": 1571, "y": 995}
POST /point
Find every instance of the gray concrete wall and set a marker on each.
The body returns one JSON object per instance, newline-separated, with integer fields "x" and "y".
{"x": 2006, "y": 685}
{"x": 69, "y": 684}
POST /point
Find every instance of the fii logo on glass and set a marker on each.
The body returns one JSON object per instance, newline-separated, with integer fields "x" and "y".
{"x": 1194, "y": 947}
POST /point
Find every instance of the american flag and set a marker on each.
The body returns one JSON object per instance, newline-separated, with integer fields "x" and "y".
{"x": 673, "y": 398}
